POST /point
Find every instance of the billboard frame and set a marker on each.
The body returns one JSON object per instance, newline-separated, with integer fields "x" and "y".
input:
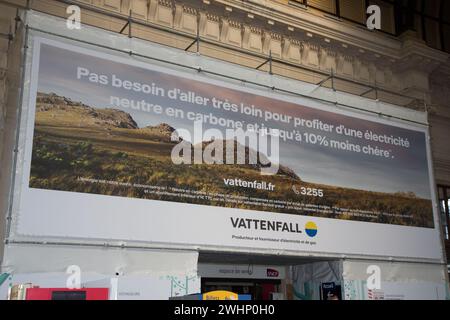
{"x": 39, "y": 31}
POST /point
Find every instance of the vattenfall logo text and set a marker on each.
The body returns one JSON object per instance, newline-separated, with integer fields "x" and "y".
{"x": 268, "y": 225}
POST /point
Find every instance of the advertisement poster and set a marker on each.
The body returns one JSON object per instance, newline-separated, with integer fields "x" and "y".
{"x": 107, "y": 128}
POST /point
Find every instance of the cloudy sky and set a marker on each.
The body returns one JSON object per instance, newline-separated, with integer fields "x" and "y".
{"x": 407, "y": 171}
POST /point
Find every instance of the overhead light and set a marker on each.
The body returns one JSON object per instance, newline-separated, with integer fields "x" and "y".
{"x": 270, "y": 22}
{"x": 229, "y": 9}
{"x": 290, "y": 28}
{"x": 250, "y": 16}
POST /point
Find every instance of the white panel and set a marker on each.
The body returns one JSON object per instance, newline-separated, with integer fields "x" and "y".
{"x": 38, "y": 258}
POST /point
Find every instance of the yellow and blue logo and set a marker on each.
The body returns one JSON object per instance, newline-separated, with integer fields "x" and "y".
{"x": 311, "y": 229}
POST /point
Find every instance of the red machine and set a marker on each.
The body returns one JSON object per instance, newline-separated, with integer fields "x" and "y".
{"x": 67, "y": 294}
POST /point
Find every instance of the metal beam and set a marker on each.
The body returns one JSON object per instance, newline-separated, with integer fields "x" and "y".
{"x": 268, "y": 60}
{"x": 320, "y": 83}
{"x": 124, "y": 27}
{"x": 366, "y": 92}
{"x": 197, "y": 36}
{"x": 191, "y": 44}
{"x": 332, "y": 80}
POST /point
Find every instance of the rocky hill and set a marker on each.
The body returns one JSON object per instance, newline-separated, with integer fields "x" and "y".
{"x": 52, "y": 108}
{"x": 160, "y": 132}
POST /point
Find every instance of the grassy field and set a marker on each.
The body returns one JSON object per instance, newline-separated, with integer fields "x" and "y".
{"x": 65, "y": 149}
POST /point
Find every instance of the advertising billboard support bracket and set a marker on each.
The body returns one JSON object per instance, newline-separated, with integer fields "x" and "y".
{"x": 376, "y": 90}
{"x": 332, "y": 80}
{"x": 191, "y": 44}
{"x": 196, "y": 41}
{"x": 372, "y": 88}
{"x": 124, "y": 27}
{"x": 269, "y": 61}
{"x": 366, "y": 92}
{"x": 321, "y": 82}
{"x": 197, "y": 37}
{"x": 17, "y": 20}
{"x": 330, "y": 77}
{"x": 128, "y": 24}
{"x": 10, "y": 35}
{"x": 425, "y": 105}
{"x": 198, "y": 33}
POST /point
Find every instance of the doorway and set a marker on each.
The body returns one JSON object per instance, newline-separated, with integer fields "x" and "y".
{"x": 259, "y": 289}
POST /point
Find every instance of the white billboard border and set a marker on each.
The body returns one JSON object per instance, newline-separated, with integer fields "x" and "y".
{"x": 311, "y": 103}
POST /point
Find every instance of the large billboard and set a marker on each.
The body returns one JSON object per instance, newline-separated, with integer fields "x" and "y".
{"x": 125, "y": 150}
